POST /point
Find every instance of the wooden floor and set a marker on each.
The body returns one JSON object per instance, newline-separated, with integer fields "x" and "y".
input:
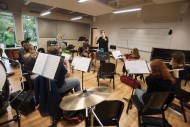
{"x": 121, "y": 91}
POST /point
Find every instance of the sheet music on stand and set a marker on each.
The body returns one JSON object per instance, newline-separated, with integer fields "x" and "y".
{"x": 81, "y": 63}
{"x": 116, "y": 54}
{"x": 137, "y": 67}
{"x": 46, "y": 65}
{"x": 67, "y": 56}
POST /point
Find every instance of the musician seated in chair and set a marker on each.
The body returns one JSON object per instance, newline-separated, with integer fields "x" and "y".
{"x": 64, "y": 83}
{"x": 159, "y": 80}
{"x": 178, "y": 62}
{"x": 134, "y": 55}
{"x": 85, "y": 50}
{"x": 22, "y": 52}
{"x": 29, "y": 57}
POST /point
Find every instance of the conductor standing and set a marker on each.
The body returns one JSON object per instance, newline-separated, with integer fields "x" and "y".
{"x": 103, "y": 42}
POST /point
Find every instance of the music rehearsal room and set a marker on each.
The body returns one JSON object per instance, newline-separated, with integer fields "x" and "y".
{"x": 94, "y": 63}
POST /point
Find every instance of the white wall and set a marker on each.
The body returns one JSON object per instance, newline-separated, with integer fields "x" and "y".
{"x": 111, "y": 23}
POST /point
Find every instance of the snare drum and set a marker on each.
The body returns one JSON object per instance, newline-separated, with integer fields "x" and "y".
{"x": 4, "y": 88}
{"x": 12, "y": 53}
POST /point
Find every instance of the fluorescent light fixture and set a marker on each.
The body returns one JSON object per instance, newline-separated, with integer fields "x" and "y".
{"x": 127, "y": 10}
{"x": 45, "y": 13}
{"x": 76, "y": 18}
{"x": 82, "y": 1}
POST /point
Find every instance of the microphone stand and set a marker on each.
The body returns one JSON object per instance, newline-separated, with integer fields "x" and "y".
{"x": 18, "y": 115}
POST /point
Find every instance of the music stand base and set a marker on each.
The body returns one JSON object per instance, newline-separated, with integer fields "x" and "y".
{"x": 93, "y": 114}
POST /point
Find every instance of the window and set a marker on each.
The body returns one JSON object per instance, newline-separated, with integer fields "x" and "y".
{"x": 30, "y": 29}
{"x": 6, "y": 20}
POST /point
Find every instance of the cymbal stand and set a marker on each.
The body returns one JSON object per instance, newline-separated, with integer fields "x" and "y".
{"x": 93, "y": 114}
{"x": 82, "y": 78}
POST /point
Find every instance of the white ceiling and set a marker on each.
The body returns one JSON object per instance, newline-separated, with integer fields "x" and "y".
{"x": 94, "y": 7}
{"x": 90, "y": 7}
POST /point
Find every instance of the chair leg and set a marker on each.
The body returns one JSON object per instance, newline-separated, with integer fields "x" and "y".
{"x": 129, "y": 106}
{"x": 139, "y": 120}
{"x": 187, "y": 79}
{"x": 118, "y": 124}
{"x": 98, "y": 80}
{"x": 113, "y": 83}
{"x": 164, "y": 119}
{"x": 183, "y": 111}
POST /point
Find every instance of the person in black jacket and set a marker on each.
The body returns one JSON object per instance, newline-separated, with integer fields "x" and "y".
{"x": 159, "y": 80}
{"x": 103, "y": 42}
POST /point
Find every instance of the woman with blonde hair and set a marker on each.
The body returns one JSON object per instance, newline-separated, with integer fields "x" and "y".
{"x": 159, "y": 80}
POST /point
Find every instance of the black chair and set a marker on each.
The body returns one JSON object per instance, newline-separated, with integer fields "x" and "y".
{"x": 42, "y": 50}
{"x": 112, "y": 47}
{"x": 110, "y": 116}
{"x": 70, "y": 47}
{"x": 102, "y": 56}
{"x": 107, "y": 70}
{"x": 156, "y": 104}
{"x": 187, "y": 77}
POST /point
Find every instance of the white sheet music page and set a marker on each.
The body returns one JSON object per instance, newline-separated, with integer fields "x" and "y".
{"x": 39, "y": 64}
{"x": 67, "y": 56}
{"x": 51, "y": 66}
{"x": 137, "y": 67}
{"x": 116, "y": 54}
{"x": 81, "y": 63}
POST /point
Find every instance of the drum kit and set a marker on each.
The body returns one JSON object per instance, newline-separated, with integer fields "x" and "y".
{"x": 5, "y": 95}
{"x": 86, "y": 99}
{"x": 4, "y": 89}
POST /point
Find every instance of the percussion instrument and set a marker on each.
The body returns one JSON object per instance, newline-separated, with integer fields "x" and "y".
{"x": 2, "y": 75}
{"x": 4, "y": 88}
{"x": 85, "y": 99}
{"x": 12, "y": 53}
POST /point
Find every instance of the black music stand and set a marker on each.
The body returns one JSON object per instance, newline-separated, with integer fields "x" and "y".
{"x": 135, "y": 67}
{"x": 117, "y": 55}
{"x": 48, "y": 66}
{"x": 82, "y": 64}
{"x": 82, "y": 39}
{"x": 101, "y": 56}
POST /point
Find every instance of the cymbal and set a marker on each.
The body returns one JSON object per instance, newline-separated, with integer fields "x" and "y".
{"x": 84, "y": 99}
